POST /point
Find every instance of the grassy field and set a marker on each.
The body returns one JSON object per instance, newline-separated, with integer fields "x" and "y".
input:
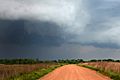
{"x": 25, "y": 72}
{"x": 111, "y": 69}
{"x": 27, "y": 69}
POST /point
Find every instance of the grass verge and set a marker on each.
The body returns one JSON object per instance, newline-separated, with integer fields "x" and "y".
{"x": 35, "y": 74}
{"x": 111, "y": 74}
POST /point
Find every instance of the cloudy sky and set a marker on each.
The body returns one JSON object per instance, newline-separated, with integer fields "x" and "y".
{"x": 60, "y": 29}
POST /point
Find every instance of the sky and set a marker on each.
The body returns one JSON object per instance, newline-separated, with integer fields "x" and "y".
{"x": 60, "y": 29}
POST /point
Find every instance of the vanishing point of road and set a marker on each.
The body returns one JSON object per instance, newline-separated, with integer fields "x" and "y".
{"x": 74, "y": 72}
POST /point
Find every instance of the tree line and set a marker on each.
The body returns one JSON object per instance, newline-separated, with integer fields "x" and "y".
{"x": 35, "y": 61}
{"x": 103, "y": 60}
{"x": 67, "y": 61}
{"x": 18, "y": 61}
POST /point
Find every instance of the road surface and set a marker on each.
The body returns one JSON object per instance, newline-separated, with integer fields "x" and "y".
{"x": 74, "y": 72}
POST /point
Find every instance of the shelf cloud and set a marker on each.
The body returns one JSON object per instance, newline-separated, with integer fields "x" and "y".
{"x": 56, "y": 23}
{"x": 67, "y": 14}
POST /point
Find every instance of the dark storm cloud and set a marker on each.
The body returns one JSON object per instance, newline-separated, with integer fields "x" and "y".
{"x": 80, "y": 21}
{"x": 42, "y": 27}
{"x": 16, "y": 32}
{"x": 21, "y": 38}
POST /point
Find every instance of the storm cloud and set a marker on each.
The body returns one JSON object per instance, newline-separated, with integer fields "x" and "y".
{"x": 55, "y": 23}
{"x": 64, "y": 13}
{"x": 21, "y": 32}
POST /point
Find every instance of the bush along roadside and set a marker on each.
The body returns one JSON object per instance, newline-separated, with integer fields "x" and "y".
{"x": 111, "y": 74}
{"x": 35, "y": 74}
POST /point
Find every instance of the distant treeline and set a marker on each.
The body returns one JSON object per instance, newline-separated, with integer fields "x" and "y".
{"x": 103, "y": 60}
{"x": 76, "y": 61}
{"x": 67, "y": 61}
{"x": 35, "y": 61}
{"x": 71, "y": 61}
{"x": 18, "y": 61}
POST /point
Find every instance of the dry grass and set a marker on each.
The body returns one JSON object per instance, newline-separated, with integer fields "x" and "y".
{"x": 107, "y": 66}
{"x": 7, "y": 71}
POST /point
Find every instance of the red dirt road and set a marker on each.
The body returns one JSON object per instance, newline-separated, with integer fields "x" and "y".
{"x": 74, "y": 72}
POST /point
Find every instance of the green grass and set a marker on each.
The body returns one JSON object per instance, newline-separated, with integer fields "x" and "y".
{"x": 111, "y": 74}
{"x": 35, "y": 74}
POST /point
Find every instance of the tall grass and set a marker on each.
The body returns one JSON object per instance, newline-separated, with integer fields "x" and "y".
{"x": 111, "y": 66}
{"x": 111, "y": 69}
{"x": 35, "y": 74}
{"x": 7, "y": 71}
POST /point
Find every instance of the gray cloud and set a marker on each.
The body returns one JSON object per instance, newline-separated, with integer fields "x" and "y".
{"x": 65, "y": 13}
{"x": 103, "y": 27}
{"x": 75, "y": 17}
{"x": 19, "y": 32}
{"x": 78, "y": 21}
{"x": 55, "y": 24}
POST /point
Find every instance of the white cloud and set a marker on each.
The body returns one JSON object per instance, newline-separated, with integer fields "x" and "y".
{"x": 70, "y": 14}
{"x": 112, "y": 33}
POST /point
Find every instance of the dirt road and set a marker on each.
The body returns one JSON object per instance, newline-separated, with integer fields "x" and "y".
{"x": 74, "y": 72}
